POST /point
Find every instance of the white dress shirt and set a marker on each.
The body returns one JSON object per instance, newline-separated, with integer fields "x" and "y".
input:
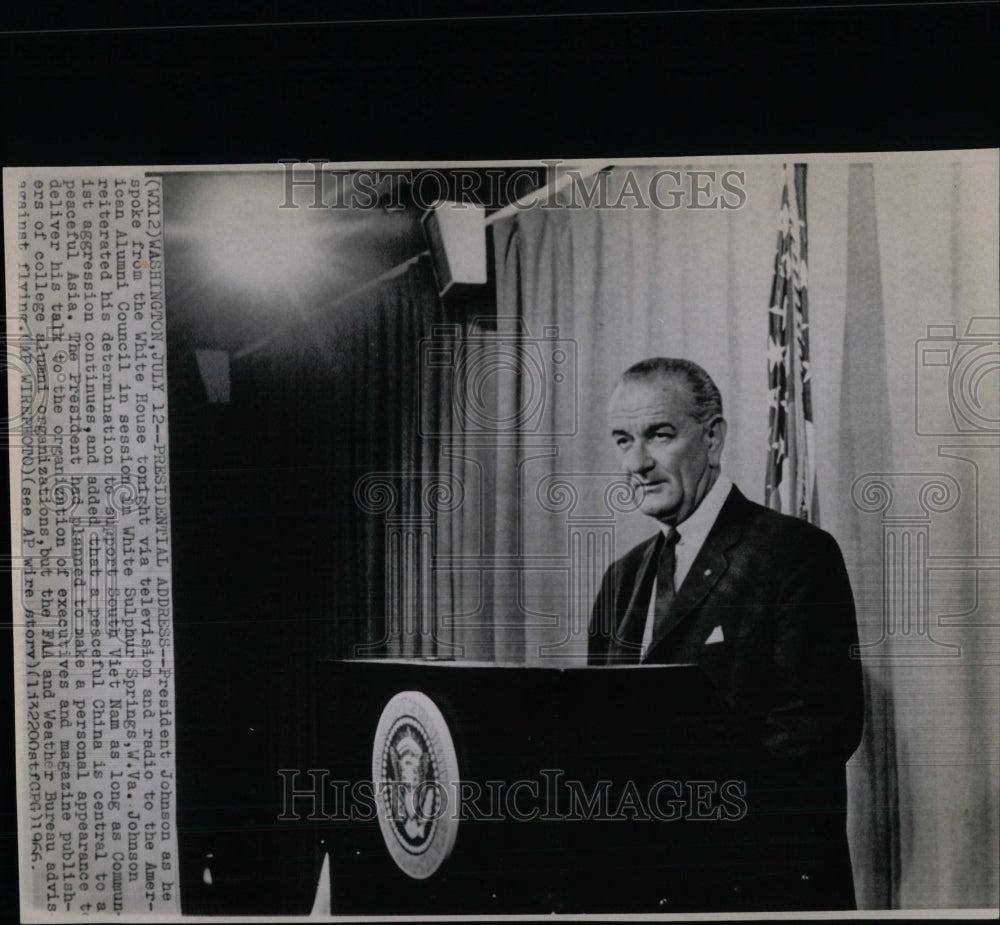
{"x": 693, "y": 533}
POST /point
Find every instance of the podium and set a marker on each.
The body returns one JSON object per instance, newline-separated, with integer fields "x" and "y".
{"x": 478, "y": 788}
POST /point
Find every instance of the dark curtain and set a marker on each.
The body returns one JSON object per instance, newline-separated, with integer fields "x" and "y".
{"x": 277, "y": 564}
{"x": 345, "y": 397}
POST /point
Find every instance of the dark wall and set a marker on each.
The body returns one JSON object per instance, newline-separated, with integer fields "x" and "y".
{"x": 275, "y": 566}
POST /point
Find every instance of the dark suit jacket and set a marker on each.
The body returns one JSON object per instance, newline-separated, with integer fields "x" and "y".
{"x": 778, "y": 589}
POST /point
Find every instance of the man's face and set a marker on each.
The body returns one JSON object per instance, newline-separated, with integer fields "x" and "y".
{"x": 672, "y": 458}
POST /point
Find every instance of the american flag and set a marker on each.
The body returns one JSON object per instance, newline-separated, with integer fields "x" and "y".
{"x": 790, "y": 486}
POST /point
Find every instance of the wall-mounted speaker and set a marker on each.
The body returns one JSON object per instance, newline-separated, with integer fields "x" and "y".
{"x": 456, "y": 237}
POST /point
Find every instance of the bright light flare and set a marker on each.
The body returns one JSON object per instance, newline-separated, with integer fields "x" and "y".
{"x": 246, "y": 242}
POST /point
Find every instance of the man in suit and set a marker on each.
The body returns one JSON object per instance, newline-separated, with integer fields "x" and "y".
{"x": 762, "y": 602}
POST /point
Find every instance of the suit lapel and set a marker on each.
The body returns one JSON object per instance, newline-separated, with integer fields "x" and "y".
{"x": 630, "y": 629}
{"x": 708, "y": 567}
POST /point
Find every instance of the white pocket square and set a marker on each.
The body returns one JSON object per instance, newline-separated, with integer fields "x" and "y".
{"x": 715, "y": 636}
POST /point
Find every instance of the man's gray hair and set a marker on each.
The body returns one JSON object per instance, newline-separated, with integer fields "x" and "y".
{"x": 704, "y": 392}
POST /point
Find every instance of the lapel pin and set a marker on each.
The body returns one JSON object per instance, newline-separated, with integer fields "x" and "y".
{"x": 708, "y": 572}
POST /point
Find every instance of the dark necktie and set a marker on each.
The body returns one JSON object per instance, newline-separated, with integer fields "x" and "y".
{"x": 665, "y": 591}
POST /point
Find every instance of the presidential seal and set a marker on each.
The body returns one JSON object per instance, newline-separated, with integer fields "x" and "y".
{"x": 414, "y": 771}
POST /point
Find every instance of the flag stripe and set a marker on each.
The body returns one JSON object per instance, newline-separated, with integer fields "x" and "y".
{"x": 790, "y": 482}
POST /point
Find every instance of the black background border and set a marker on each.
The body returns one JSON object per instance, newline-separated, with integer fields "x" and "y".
{"x": 123, "y": 83}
